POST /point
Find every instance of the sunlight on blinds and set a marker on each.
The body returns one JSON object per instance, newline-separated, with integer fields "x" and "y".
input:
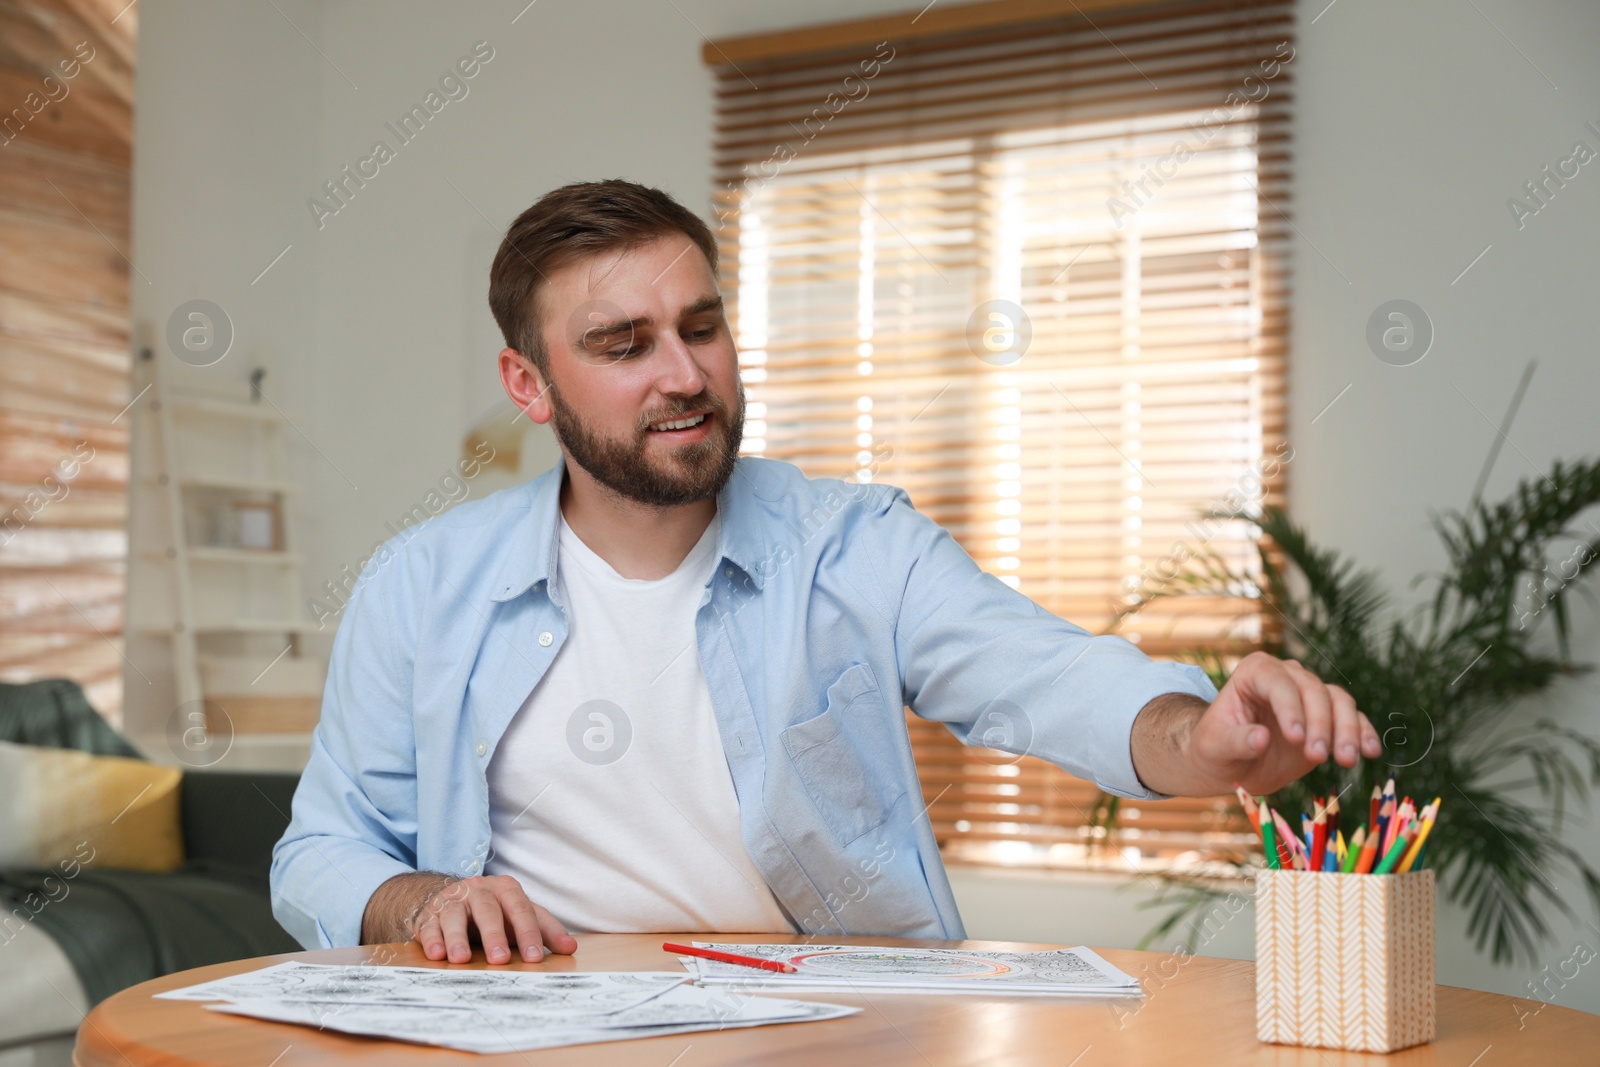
{"x": 1071, "y": 469}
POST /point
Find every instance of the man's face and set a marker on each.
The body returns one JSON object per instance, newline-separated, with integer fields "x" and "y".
{"x": 638, "y": 340}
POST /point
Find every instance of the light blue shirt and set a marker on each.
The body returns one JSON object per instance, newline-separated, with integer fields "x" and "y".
{"x": 833, "y": 606}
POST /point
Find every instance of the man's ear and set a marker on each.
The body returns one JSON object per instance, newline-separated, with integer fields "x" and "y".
{"x": 525, "y": 385}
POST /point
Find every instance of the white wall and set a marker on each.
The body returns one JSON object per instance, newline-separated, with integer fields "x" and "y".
{"x": 226, "y": 124}
{"x": 1414, "y": 126}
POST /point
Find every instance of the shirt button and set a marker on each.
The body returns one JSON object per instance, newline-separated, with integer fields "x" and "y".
{"x": 728, "y": 571}
{"x": 546, "y": 637}
{"x": 482, "y": 748}
{"x": 477, "y": 865}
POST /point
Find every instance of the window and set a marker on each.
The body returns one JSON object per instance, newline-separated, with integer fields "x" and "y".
{"x": 1032, "y": 273}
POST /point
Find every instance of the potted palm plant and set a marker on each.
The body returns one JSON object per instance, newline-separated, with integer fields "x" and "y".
{"x": 1445, "y": 684}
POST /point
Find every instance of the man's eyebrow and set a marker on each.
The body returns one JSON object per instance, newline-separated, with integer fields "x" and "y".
{"x": 703, "y": 305}
{"x": 600, "y": 334}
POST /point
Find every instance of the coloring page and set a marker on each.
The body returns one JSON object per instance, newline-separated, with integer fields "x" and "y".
{"x": 1068, "y": 970}
{"x": 503, "y": 1027}
{"x": 424, "y": 986}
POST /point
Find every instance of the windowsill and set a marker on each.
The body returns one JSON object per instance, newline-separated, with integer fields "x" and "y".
{"x": 1101, "y": 866}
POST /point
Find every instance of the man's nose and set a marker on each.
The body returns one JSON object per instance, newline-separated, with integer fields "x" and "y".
{"x": 678, "y": 372}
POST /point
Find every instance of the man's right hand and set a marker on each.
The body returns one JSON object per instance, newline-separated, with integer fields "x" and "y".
{"x": 444, "y": 915}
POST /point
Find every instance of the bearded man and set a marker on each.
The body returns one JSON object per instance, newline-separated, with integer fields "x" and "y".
{"x": 661, "y": 687}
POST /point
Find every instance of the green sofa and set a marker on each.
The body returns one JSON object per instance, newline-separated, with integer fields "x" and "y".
{"x": 118, "y": 928}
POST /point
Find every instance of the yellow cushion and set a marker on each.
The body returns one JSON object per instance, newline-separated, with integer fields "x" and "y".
{"x": 104, "y": 811}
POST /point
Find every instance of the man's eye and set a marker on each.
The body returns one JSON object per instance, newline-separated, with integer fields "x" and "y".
{"x": 622, "y": 353}
{"x": 704, "y": 333}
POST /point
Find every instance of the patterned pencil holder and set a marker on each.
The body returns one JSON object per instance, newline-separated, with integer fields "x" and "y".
{"x": 1345, "y": 961}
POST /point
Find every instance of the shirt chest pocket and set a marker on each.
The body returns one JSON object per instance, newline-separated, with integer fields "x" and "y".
{"x": 835, "y": 754}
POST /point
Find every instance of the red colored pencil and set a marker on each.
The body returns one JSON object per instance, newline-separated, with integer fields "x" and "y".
{"x": 728, "y": 957}
{"x": 1319, "y": 837}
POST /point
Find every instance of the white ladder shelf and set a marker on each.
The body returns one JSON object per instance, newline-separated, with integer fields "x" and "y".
{"x": 242, "y": 670}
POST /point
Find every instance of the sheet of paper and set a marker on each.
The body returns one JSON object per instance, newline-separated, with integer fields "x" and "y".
{"x": 492, "y": 1010}
{"x": 882, "y": 968}
{"x": 601, "y": 991}
{"x": 504, "y": 1028}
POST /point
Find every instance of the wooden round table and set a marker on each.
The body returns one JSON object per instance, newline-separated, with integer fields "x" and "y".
{"x": 1197, "y": 1011}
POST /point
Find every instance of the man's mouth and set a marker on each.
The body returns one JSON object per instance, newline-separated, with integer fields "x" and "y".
{"x": 685, "y": 423}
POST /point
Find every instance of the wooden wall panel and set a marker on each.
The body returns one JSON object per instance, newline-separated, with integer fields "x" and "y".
{"x": 65, "y": 207}
{"x": 48, "y": 257}
{"x": 69, "y": 126}
{"x": 40, "y": 180}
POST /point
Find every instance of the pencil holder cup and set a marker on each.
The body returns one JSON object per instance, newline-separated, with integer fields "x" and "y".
{"x": 1345, "y": 961}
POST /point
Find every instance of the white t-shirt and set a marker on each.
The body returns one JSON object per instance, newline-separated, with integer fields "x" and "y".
{"x": 610, "y": 798}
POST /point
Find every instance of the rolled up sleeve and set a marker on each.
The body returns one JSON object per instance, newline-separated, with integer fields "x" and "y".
{"x": 1000, "y": 671}
{"x": 354, "y": 821}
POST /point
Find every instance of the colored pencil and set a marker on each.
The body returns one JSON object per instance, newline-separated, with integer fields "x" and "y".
{"x": 1394, "y": 841}
{"x": 1353, "y": 853}
{"x": 1285, "y": 835}
{"x": 1403, "y": 816}
{"x": 1385, "y": 817}
{"x": 1297, "y": 847}
{"x": 1249, "y": 805}
{"x": 1281, "y": 836}
{"x": 728, "y": 957}
{"x": 1319, "y": 837}
{"x": 1429, "y": 815}
{"x": 1368, "y": 852}
{"x": 1387, "y": 809}
{"x": 1392, "y": 857}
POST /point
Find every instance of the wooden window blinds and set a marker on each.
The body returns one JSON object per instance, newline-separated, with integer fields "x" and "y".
{"x": 1029, "y": 267}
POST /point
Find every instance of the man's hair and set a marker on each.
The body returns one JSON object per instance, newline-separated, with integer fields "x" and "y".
{"x": 571, "y": 223}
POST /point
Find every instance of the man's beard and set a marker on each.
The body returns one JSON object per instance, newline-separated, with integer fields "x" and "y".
{"x": 689, "y": 473}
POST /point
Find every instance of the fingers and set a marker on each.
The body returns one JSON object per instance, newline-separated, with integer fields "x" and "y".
{"x": 1349, "y": 735}
{"x": 1371, "y": 743}
{"x": 487, "y": 906}
{"x": 1323, "y": 719}
{"x": 522, "y": 917}
{"x": 491, "y": 925}
{"x": 1347, "y": 739}
{"x": 1275, "y": 721}
{"x": 451, "y": 915}
{"x": 555, "y": 935}
{"x": 431, "y": 937}
{"x": 1271, "y": 679}
{"x": 1316, "y": 706}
